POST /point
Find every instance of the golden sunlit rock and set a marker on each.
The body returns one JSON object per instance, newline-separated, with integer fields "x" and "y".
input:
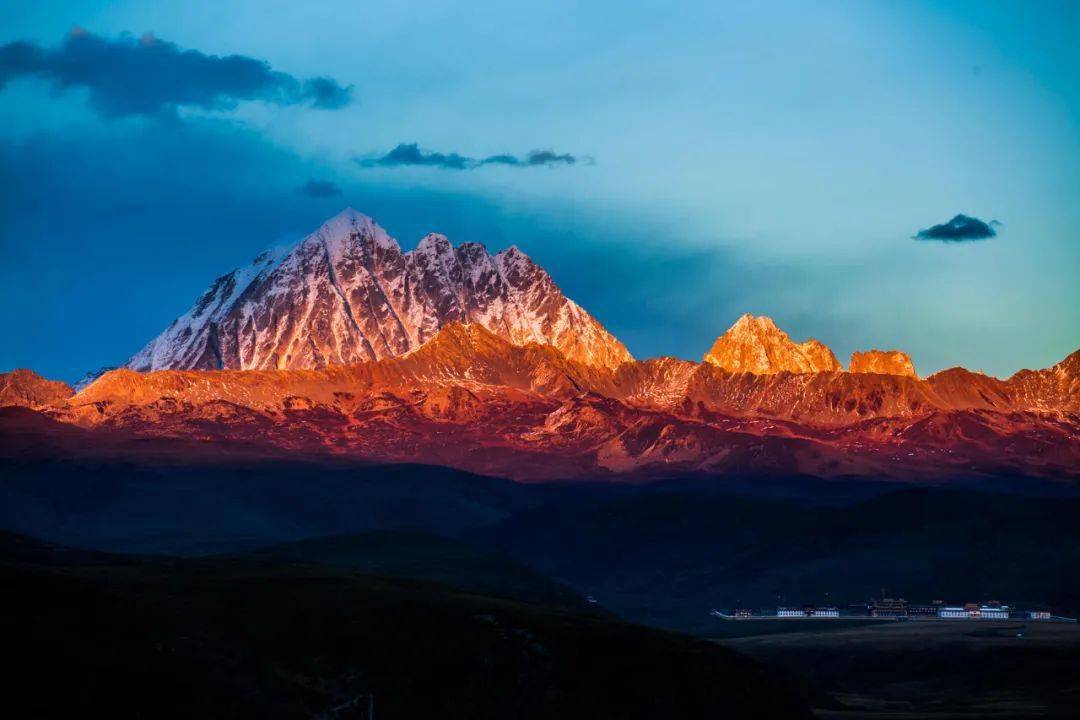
{"x": 756, "y": 345}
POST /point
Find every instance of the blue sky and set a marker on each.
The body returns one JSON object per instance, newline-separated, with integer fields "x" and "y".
{"x": 775, "y": 159}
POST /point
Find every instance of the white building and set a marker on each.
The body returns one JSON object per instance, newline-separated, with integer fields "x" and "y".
{"x": 1039, "y": 614}
{"x": 954, "y": 612}
{"x": 975, "y": 612}
{"x": 790, "y": 612}
{"x": 993, "y": 612}
{"x": 830, "y": 612}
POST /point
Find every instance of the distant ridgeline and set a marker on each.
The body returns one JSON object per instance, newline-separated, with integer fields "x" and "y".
{"x": 344, "y": 347}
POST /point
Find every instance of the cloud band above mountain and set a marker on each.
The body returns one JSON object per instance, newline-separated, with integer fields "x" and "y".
{"x": 148, "y": 76}
{"x": 410, "y": 154}
{"x": 961, "y": 228}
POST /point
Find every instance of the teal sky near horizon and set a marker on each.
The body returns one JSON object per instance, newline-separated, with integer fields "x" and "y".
{"x": 775, "y": 159}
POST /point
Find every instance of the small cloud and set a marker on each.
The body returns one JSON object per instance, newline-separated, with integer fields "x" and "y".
{"x": 153, "y": 77}
{"x": 960, "y": 229}
{"x": 536, "y": 158}
{"x": 549, "y": 157}
{"x": 410, "y": 154}
{"x": 319, "y": 189}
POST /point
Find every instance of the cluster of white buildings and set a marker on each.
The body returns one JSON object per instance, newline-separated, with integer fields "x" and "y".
{"x": 973, "y": 611}
{"x": 897, "y": 608}
{"x": 781, "y": 612}
{"x": 828, "y": 612}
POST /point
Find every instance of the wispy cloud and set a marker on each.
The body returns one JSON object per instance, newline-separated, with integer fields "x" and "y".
{"x": 535, "y": 158}
{"x": 961, "y": 228}
{"x": 150, "y": 76}
{"x": 410, "y": 154}
{"x": 319, "y": 189}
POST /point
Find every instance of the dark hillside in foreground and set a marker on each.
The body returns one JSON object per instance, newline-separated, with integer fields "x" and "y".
{"x": 663, "y": 554}
{"x": 216, "y": 638}
{"x": 423, "y": 556}
{"x": 1001, "y": 670}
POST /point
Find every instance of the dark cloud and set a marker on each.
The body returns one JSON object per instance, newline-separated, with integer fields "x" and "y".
{"x": 319, "y": 189}
{"x": 533, "y": 159}
{"x": 549, "y": 157}
{"x": 150, "y": 76}
{"x": 960, "y": 229}
{"x": 502, "y": 160}
{"x": 411, "y": 154}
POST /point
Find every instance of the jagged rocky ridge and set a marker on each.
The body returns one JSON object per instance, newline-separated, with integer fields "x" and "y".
{"x": 756, "y": 345}
{"x": 25, "y": 388}
{"x": 470, "y": 399}
{"x": 348, "y": 294}
{"x": 882, "y": 362}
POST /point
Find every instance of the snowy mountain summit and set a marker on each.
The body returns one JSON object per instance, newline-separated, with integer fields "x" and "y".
{"x": 347, "y": 294}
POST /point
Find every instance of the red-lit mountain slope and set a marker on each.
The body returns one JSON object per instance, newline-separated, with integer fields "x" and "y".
{"x": 470, "y": 399}
{"x": 345, "y": 346}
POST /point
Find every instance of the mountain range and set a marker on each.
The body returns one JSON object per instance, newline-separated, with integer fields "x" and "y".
{"x": 345, "y": 347}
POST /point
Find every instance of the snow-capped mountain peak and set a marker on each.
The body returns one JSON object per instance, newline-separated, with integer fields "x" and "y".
{"x": 347, "y": 294}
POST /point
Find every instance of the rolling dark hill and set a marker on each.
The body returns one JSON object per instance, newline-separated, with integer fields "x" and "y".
{"x": 423, "y": 556}
{"x": 191, "y": 509}
{"x": 234, "y": 638}
{"x": 662, "y": 554}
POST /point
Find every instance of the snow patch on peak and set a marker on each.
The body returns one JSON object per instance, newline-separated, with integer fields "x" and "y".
{"x": 513, "y": 256}
{"x": 183, "y": 344}
{"x": 435, "y": 252}
{"x": 345, "y": 223}
{"x": 471, "y": 249}
{"x": 270, "y": 259}
{"x": 351, "y": 217}
{"x": 434, "y": 244}
{"x": 350, "y": 232}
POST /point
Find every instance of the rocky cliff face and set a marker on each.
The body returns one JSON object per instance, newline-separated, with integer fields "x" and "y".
{"x": 25, "y": 388}
{"x": 882, "y": 362}
{"x": 756, "y": 345}
{"x": 348, "y": 294}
